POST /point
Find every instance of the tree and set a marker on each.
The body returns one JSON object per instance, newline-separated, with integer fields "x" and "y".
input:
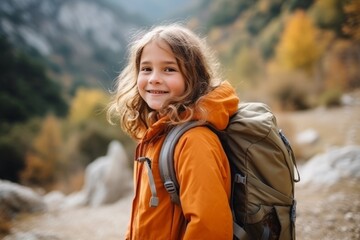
{"x": 248, "y": 65}
{"x": 298, "y": 48}
{"x": 87, "y": 104}
{"x": 44, "y": 159}
{"x": 26, "y": 91}
{"x": 328, "y": 14}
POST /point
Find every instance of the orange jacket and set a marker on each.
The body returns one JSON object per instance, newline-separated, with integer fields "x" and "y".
{"x": 203, "y": 174}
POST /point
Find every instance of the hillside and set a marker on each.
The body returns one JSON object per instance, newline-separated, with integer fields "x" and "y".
{"x": 270, "y": 49}
{"x": 81, "y": 42}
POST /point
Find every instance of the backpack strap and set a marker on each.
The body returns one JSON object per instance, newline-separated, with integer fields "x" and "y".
{"x": 167, "y": 170}
{"x": 238, "y": 231}
{"x": 166, "y": 159}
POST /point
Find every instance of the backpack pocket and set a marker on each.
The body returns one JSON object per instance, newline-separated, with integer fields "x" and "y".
{"x": 270, "y": 222}
{"x": 287, "y": 226}
{"x": 263, "y": 224}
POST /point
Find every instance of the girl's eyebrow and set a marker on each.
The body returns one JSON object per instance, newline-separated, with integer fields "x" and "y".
{"x": 163, "y": 62}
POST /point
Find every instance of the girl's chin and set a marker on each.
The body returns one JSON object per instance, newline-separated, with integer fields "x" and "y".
{"x": 155, "y": 107}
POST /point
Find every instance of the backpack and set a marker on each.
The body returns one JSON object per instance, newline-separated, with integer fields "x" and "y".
{"x": 262, "y": 170}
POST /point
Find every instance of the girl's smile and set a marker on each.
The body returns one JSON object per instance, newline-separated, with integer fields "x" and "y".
{"x": 157, "y": 92}
{"x": 160, "y": 78}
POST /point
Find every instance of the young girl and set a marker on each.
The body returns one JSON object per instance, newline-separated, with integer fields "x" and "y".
{"x": 171, "y": 78}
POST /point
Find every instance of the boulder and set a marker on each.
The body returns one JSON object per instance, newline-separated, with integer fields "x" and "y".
{"x": 308, "y": 136}
{"x": 54, "y": 200}
{"x": 327, "y": 168}
{"x": 107, "y": 179}
{"x": 15, "y": 198}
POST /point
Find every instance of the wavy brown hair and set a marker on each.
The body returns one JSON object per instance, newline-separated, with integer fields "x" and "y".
{"x": 197, "y": 65}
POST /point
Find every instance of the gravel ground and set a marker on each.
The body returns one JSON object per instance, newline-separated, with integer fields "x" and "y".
{"x": 329, "y": 212}
{"x": 323, "y": 213}
{"x": 86, "y": 223}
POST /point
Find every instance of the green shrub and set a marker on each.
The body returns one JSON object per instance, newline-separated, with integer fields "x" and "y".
{"x": 291, "y": 97}
{"x": 331, "y": 98}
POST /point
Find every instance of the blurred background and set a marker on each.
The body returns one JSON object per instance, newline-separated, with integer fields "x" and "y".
{"x": 59, "y": 60}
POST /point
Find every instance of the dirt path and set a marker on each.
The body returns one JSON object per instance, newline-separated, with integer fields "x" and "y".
{"x": 106, "y": 222}
{"x": 329, "y": 212}
{"x": 322, "y": 213}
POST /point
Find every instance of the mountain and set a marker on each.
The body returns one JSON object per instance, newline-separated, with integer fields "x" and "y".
{"x": 82, "y": 42}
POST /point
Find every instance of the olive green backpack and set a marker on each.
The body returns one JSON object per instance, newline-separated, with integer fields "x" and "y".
{"x": 262, "y": 169}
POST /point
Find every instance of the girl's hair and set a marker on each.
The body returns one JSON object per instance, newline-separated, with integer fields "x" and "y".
{"x": 197, "y": 65}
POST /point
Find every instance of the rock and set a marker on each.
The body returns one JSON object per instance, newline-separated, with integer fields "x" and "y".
{"x": 53, "y": 200}
{"x": 32, "y": 236}
{"x": 15, "y": 198}
{"x": 75, "y": 199}
{"x": 328, "y": 168}
{"x": 107, "y": 179}
{"x": 308, "y": 136}
{"x": 346, "y": 99}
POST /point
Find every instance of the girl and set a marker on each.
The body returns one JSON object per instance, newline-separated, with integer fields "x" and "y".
{"x": 171, "y": 78}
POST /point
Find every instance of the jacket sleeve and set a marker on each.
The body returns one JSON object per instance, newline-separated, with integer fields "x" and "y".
{"x": 204, "y": 177}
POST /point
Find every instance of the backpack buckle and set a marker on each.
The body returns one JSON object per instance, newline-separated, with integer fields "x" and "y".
{"x": 170, "y": 186}
{"x": 172, "y": 190}
{"x": 238, "y": 178}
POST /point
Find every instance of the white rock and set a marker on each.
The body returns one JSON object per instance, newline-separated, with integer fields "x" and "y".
{"x": 54, "y": 199}
{"x": 331, "y": 166}
{"x": 15, "y": 198}
{"x": 107, "y": 179}
{"x": 308, "y": 136}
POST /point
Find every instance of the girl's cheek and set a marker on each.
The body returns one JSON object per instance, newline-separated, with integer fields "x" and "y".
{"x": 138, "y": 81}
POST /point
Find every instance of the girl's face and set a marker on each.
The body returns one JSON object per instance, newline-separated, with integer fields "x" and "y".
{"x": 159, "y": 77}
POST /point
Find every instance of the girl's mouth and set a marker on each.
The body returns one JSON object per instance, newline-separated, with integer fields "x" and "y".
{"x": 156, "y": 92}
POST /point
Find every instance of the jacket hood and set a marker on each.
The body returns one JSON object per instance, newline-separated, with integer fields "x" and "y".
{"x": 215, "y": 108}
{"x": 219, "y": 105}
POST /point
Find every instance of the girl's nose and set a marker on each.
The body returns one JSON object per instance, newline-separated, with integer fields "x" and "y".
{"x": 154, "y": 78}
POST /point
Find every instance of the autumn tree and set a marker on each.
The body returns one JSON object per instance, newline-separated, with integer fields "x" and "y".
{"x": 87, "y": 104}
{"x": 298, "y": 48}
{"x": 43, "y": 160}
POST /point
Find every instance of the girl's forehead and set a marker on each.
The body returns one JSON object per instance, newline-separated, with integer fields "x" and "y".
{"x": 158, "y": 43}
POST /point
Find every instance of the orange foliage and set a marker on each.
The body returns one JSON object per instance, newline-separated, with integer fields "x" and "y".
{"x": 298, "y": 48}
{"x": 43, "y": 160}
{"x": 49, "y": 141}
{"x": 37, "y": 172}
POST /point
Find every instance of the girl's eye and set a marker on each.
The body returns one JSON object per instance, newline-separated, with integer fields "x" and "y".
{"x": 169, "y": 69}
{"x": 145, "y": 69}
